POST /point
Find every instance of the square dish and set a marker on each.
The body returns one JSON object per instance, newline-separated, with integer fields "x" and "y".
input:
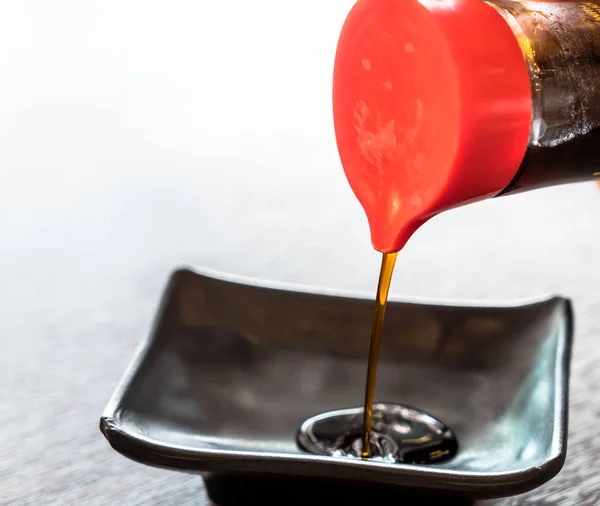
{"x": 232, "y": 368}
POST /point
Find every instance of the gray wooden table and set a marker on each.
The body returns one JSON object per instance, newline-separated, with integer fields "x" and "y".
{"x": 139, "y": 136}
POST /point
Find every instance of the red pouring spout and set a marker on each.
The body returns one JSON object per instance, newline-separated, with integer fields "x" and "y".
{"x": 432, "y": 109}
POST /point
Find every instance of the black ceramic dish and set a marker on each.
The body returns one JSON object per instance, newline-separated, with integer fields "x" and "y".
{"x": 231, "y": 370}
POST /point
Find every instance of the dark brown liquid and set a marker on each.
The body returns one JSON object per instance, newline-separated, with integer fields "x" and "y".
{"x": 572, "y": 161}
{"x": 385, "y": 278}
{"x": 400, "y": 434}
{"x": 384, "y": 431}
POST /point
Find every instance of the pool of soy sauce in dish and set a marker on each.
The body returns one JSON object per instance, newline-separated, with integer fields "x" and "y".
{"x": 399, "y": 434}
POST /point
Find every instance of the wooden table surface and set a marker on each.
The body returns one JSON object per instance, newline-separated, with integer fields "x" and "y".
{"x": 139, "y": 136}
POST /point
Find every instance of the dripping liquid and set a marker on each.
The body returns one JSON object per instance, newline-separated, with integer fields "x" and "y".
{"x": 385, "y": 278}
{"x": 385, "y": 432}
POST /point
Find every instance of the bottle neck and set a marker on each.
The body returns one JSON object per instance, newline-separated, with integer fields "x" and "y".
{"x": 561, "y": 44}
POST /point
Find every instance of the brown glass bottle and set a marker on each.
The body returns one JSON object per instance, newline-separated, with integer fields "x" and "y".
{"x": 561, "y": 44}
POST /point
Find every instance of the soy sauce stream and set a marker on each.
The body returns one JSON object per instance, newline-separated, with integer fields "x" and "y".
{"x": 385, "y": 278}
{"x": 383, "y": 432}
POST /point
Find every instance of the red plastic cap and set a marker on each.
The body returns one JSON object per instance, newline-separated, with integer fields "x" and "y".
{"x": 432, "y": 109}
